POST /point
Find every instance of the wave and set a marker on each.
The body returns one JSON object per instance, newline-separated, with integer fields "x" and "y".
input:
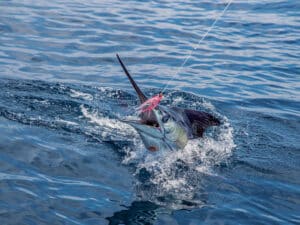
{"x": 169, "y": 178}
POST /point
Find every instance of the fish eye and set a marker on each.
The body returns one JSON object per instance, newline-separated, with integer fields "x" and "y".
{"x": 165, "y": 118}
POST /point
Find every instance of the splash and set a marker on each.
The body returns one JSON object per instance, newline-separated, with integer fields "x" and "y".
{"x": 79, "y": 94}
{"x": 111, "y": 129}
{"x": 169, "y": 178}
{"x": 172, "y": 178}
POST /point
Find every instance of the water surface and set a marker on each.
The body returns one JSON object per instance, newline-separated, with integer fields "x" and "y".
{"x": 65, "y": 156}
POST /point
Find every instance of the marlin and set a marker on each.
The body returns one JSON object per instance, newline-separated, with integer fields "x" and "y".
{"x": 168, "y": 127}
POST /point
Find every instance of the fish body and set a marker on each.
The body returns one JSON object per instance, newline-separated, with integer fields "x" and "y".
{"x": 169, "y": 134}
{"x": 168, "y": 127}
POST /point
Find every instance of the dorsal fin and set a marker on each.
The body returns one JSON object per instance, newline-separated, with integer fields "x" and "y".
{"x": 200, "y": 121}
{"x": 141, "y": 95}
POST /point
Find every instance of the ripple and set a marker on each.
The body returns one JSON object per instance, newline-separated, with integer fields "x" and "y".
{"x": 66, "y": 158}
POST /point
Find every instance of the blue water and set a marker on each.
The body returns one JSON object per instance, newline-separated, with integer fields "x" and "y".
{"x": 65, "y": 156}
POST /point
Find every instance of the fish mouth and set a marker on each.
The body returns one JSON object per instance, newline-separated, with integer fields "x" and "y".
{"x": 151, "y": 130}
{"x": 152, "y": 136}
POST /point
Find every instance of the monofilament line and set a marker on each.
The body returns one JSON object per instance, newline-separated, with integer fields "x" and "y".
{"x": 197, "y": 46}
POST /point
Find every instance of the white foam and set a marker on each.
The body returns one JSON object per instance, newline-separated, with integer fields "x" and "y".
{"x": 199, "y": 157}
{"x": 78, "y": 94}
{"x": 67, "y": 122}
{"x": 109, "y": 127}
{"x": 176, "y": 100}
{"x": 175, "y": 173}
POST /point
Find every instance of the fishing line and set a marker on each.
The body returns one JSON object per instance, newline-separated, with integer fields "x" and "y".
{"x": 197, "y": 46}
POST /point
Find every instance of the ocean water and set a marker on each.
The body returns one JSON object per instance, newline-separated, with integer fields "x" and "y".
{"x": 65, "y": 156}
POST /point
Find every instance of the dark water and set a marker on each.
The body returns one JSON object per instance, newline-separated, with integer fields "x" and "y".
{"x": 65, "y": 157}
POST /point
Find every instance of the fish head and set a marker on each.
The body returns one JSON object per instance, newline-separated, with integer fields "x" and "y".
{"x": 169, "y": 134}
